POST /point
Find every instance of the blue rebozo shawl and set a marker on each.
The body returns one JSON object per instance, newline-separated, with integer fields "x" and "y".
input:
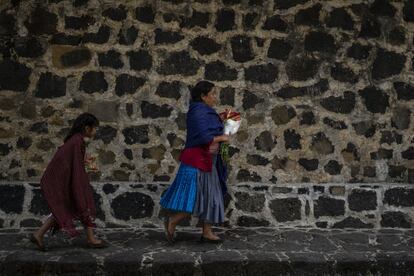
{"x": 203, "y": 124}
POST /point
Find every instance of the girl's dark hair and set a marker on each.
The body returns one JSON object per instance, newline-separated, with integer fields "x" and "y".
{"x": 201, "y": 88}
{"x": 83, "y": 120}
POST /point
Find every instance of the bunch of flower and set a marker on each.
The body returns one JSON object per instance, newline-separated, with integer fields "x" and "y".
{"x": 232, "y": 122}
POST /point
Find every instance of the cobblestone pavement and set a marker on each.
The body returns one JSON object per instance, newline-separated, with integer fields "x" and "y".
{"x": 261, "y": 251}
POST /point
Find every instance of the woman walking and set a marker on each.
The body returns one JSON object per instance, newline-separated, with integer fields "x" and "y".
{"x": 200, "y": 183}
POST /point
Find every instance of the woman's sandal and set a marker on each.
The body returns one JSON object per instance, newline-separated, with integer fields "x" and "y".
{"x": 207, "y": 240}
{"x": 168, "y": 235}
{"x": 34, "y": 240}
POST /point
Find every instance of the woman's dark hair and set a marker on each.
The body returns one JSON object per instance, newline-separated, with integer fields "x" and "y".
{"x": 83, "y": 120}
{"x": 201, "y": 88}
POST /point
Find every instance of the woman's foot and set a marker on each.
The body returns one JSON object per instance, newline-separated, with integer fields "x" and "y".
{"x": 169, "y": 231}
{"x": 208, "y": 240}
{"x": 210, "y": 237}
{"x": 38, "y": 241}
{"x": 171, "y": 223}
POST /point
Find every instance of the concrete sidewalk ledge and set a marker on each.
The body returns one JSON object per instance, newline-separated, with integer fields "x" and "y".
{"x": 246, "y": 251}
{"x": 327, "y": 205}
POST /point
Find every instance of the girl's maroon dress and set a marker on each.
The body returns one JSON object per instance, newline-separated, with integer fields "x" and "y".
{"x": 66, "y": 188}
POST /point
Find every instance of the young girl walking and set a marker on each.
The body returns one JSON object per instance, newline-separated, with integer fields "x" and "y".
{"x": 66, "y": 188}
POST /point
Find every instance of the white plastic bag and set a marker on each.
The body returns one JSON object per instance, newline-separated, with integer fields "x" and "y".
{"x": 231, "y": 126}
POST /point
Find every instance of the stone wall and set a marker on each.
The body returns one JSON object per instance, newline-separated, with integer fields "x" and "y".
{"x": 330, "y": 205}
{"x": 325, "y": 87}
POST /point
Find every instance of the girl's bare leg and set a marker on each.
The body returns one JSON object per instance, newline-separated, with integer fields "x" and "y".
{"x": 39, "y": 234}
{"x": 91, "y": 236}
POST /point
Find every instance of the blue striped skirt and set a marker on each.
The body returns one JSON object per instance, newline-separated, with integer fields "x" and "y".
{"x": 196, "y": 192}
{"x": 181, "y": 195}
